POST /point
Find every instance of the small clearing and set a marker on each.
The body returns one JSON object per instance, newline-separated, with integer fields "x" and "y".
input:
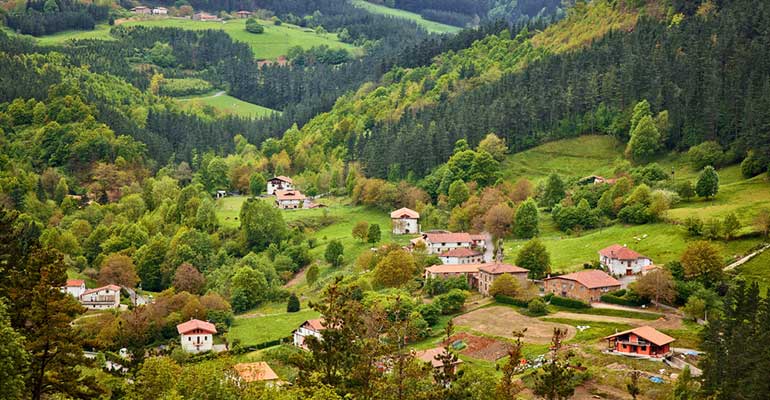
{"x": 502, "y": 321}
{"x": 484, "y": 348}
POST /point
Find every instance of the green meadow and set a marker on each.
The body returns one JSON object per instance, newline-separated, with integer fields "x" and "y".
{"x": 226, "y": 104}
{"x": 251, "y": 330}
{"x": 430, "y": 26}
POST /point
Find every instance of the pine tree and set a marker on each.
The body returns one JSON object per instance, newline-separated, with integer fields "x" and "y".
{"x": 554, "y": 191}
{"x": 526, "y": 220}
{"x": 554, "y": 381}
{"x": 293, "y": 304}
{"x": 374, "y": 234}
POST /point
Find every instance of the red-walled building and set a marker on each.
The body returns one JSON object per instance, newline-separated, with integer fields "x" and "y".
{"x": 642, "y": 341}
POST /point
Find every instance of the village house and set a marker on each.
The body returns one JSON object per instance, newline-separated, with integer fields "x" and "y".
{"x": 405, "y": 221}
{"x": 429, "y": 356}
{"x": 596, "y": 180}
{"x": 243, "y": 14}
{"x": 75, "y": 287}
{"x": 587, "y": 285}
{"x": 257, "y": 372}
{"x": 488, "y": 273}
{"x": 196, "y": 336}
{"x": 311, "y": 327}
{"x": 141, "y": 10}
{"x": 462, "y": 255}
{"x": 279, "y": 183}
{"x": 289, "y": 199}
{"x": 439, "y": 242}
{"x": 160, "y": 11}
{"x": 644, "y": 341}
{"x": 204, "y": 16}
{"x": 620, "y": 260}
{"x": 101, "y": 298}
{"x": 444, "y": 271}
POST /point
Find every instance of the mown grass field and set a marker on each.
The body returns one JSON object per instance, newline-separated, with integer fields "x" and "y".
{"x": 758, "y": 270}
{"x": 226, "y": 104}
{"x": 251, "y": 330}
{"x": 274, "y": 42}
{"x": 430, "y": 26}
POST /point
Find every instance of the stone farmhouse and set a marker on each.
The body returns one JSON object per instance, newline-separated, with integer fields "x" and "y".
{"x": 490, "y": 272}
{"x": 405, "y": 221}
{"x": 620, "y": 260}
{"x": 587, "y": 285}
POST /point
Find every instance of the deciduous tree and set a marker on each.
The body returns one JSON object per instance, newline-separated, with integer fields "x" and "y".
{"x": 708, "y": 183}
{"x": 188, "y": 279}
{"x": 360, "y": 230}
{"x": 333, "y": 253}
{"x": 702, "y": 260}
{"x": 395, "y": 269}
{"x": 554, "y": 191}
{"x": 261, "y": 224}
{"x": 374, "y": 234}
{"x": 493, "y": 145}
{"x": 526, "y": 225}
{"x": 499, "y": 220}
{"x": 534, "y": 257}
{"x": 505, "y": 284}
{"x": 118, "y": 269}
{"x": 657, "y": 285}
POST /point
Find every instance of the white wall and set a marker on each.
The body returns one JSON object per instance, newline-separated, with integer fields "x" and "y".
{"x": 618, "y": 268}
{"x": 280, "y": 185}
{"x": 438, "y": 248}
{"x": 301, "y": 333}
{"x": 463, "y": 260}
{"x": 405, "y": 225}
{"x": 196, "y": 343}
{"x": 102, "y": 296}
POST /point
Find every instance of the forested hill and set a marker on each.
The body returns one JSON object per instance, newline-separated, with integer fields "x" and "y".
{"x": 706, "y": 64}
{"x": 468, "y": 12}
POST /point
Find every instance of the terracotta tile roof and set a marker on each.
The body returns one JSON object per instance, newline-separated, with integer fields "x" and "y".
{"x": 75, "y": 282}
{"x": 255, "y": 372}
{"x": 404, "y": 213}
{"x": 619, "y": 252}
{"x": 650, "y": 267}
{"x": 317, "y": 324}
{"x": 289, "y": 195}
{"x": 429, "y": 356}
{"x": 282, "y": 178}
{"x": 590, "y": 278}
{"x": 460, "y": 252}
{"x": 459, "y": 237}
{"x": 478, "y": 237}
{"x": 453, "y": 268}
{"x": 94, "y": 290}
{"x": 193, "y": 324}
{"x": 501, "y": 268}
{"x": 648, "y": 333}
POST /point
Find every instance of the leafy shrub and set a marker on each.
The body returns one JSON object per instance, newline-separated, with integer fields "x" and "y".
{"x": 451, "y": 302}
{"x": 503, "y": 299}
{"x": 753, "y": 165}
{"x": 569, "y": 303}
{"x": 628, "y": 298}
{"x": 548, "y": 296}
{"x": 184, "y": 87}
{"x": 706, "y": 153}
{"x": 635, "y": 214}
{"x": 435, "y": 287}
{"x": 253, "y": 26}
{"x": 536, "y": 307}
{"x": 430, "y": 313}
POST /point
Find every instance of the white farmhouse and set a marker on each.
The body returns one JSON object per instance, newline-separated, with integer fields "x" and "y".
{"x": 101, "y": 298}
{"x": 437, "y": 243}
{"x": 75, "y": 287}
{"x": 405, "y": 221}
{"x": 289, "y": 199}
{"x": 311, "y": 327}
{"x": 620, "y": 260}
{"x": 160, "y": 11}
{"x": 197, "y": 336}
{"x": 279, "y": 183}
{"x": 461, "y": 255}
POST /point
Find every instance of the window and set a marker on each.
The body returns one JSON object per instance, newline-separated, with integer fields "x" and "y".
{"x": 189, "y": 338}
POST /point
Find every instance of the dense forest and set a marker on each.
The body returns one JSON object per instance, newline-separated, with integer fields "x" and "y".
{"x": 466, "y": 12}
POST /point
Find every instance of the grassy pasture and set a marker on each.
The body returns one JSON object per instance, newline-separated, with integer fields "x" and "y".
{"x": 758, "y": 270}
{"x": 274, "y": 42}
{"x": 430, "y": 26}
{"x": 226, "y": 104}
{"x": 251, "y": 330}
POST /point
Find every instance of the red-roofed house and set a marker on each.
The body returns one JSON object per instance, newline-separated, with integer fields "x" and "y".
{"x": 405, "y": 221}
{"x": 587, "y": 285}
{"x": 620, "y": 260}
{"x": 101, "y": 298}
{"x": 642, "y": 341}
{"x": 461, "y": 255}
{"x": 75, "y": 287}
{"x": 437, "y": 243}
{"x": 311, "y": 327}
{"x": 196, "y": 335}
{"x": 257, "y": 372}
{"x": 279, "y": 183}
{"x": 443, "y": 271}
{"x": 289, "y": 199}
{"x": 488, "y": 273}
{"x": 429, "y": 356}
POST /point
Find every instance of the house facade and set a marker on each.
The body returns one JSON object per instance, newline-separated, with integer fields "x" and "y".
{"x": 142, "y": 10}
{"x": 279, "y": 183}
{"x": 405, "y": 221}
{"x": 444, "y": 271}
{"x": 588, "y": 285}
{"x": 437, "y": 243}
{"x": 462, "y": 255}
{"x": 490, "y": 272}
{"x": 196, "y": 336}
{"x": 644, "y": 341}
{"x": 289, "y": 199}
{"x": 101, "y": 298}
{"x": 244, "y": 14}
{"x": 311, "y": 327}
{"x": 75, "y": 287}
{"x": 620, "y": 260}
{"x": 160, "y": 11}
{"x": 203, "y": 16}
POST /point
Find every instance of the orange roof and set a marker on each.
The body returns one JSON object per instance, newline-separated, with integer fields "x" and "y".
{"x": 317, "y": 324}
{"x": 619, "y": 252}
{"x": 459, "y": 237}
{"x": 404, "y": 213}
{"x": 500, "y": 268}
{"x": 429, "y": 356}
{"x": 478, "y": 237}
{"x": 281, "y": 195}
{"x": 282, "y": 178}
{"x": 647, "y": 333}
{"x": 75, "y": 282}
{"x": 460, "y": 252}
{"x": 590, "y": 278}
{"x": 255, "y": 371}
{"x": 94, "y": 290}
{"x": 453, "y": 268}
{"x": 194, "y": 324}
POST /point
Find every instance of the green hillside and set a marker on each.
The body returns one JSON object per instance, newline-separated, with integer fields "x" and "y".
{"x": 225, "y": 104}
{"x": 431, "y": 26}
